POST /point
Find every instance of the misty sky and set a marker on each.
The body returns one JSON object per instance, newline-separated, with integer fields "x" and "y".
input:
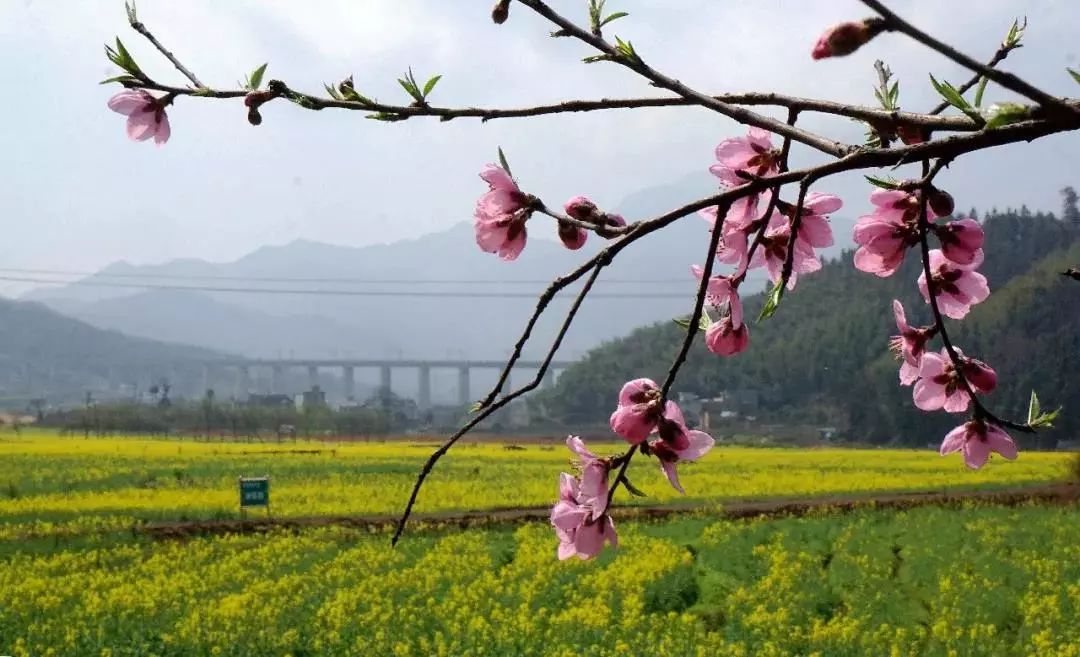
{"x": 77, "y": 194}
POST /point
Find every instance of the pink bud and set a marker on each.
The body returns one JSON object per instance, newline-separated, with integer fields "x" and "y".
{"x": 846, "y": 38}
{"x": 581, "y": 208}
{"x": 941, "y": 202}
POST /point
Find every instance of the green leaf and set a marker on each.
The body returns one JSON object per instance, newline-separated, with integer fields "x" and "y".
{"x": 979, "y": 91}
{"x": 331, "y": 91}
{"x": 1075, "y": 75}
{"x": 431, "y": 84}
{"x": 1034, "y": 409}
{"x": 476, "y": 407}
{"x": 410, "y": 89}
{"x": 1045, "y": 419}
{"x": 883, "y": 183}
{"x": 503, "y": 163}
{"x": 626, "y": 48}
{"x": 614, "y": 17}
{"x": 772, "y": 302}
{"x": 256, "y": 78}
{"x": 120, "y": 78}
{"x": 1003, "y": 114}
{"x": 592, "y": 59}
{"x": 954, "y": 98}
{"x": 631, "y": 488}
{"x": 703, "y": 322}
{"x": 1016, "y": 33}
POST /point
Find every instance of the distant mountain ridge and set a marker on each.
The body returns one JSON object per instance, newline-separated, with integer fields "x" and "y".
{"x": 42, "y": 351}
{"x": 268, "y": 325}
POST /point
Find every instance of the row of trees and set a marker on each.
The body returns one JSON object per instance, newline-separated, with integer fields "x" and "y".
{"x": 208, "y": 419}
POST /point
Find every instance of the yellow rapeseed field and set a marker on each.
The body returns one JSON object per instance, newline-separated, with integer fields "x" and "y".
{"x": 51, "y": 484}
{"x": 925, "y": 582}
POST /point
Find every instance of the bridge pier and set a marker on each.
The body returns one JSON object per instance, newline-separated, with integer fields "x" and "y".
{"x": 205, "y": 379}
{"x": 464, "y": 394}
{"x": 385, "y": 379}
{"x": 313, "y": 376}
{"x": 424, "y": 401}
{"x": 349, "y": 375}
{"x": 275, "y": 379}
{"x": 549, "y": 378}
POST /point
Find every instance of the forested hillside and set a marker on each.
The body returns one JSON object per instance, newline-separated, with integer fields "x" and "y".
{"x": 823, "y": 357}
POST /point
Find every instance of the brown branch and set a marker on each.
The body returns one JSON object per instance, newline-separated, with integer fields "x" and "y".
{"x": 740, "y": 114}
{"x": 1072, "y": 272}
{"x": 981, "y": 412}
{"x": 1007, "y": 80}
{"x": 143, "y": 30}
{"x": 403, "y": 112}
{"x": 482, "y": 415}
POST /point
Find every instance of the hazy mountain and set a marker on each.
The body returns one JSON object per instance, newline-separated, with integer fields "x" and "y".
{"x": 42, "y": 350}
{"x": 400, "y": 323}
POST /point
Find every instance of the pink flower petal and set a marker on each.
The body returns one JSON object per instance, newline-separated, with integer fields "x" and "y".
{"x": 954, "y": 440}
{"x": 672, "y": 475}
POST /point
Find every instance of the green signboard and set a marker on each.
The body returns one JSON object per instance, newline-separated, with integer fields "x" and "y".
{"x": 254, "y": 491}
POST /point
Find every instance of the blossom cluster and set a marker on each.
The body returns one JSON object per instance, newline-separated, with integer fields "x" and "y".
{"x": 650, "y": 424}
{"x": 945, "y": 380}
{"x": 752, "y": 237}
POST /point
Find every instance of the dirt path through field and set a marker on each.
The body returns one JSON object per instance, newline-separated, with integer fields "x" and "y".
{"x": 1061, "y": 493}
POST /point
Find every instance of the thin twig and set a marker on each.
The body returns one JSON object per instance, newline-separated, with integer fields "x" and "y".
{"x": 957, "y": 123}
{"x": 482, "y": 415}
{"x": 740, "y": 114}
{"x": 931, "y": 292}
{"x": 1007, "y": 80}
{"x": 999, "y": 56}
{"x": 143, "y": 30}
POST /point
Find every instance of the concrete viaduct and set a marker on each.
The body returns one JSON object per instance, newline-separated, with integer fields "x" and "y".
{"x": 244, "y": 366}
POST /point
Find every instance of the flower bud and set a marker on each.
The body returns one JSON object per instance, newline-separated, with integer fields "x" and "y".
{"x": 607, "y": 222}
{"x": 256, "y": 98}
{"x": 911, "y": 134}
{"x": 846, "y": 38}
{"x": 254, "y": 118}
{"x": 581, "y": 208}
{"x": 941, "y": 202}
{"x": 500, "y": 12}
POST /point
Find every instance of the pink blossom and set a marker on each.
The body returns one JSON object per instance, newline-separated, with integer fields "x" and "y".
{"x": 885, "y": 236}
{"x": 146, "y": 115}
{"x": 845, "y": 38}
{"x": 773, "y": 252}
{"x": 939, "y": 385}
{"x": 725, "y": 338}
{"x": 910, "y": 345}
{"x": 593, "y": 489}
{"x": 739, "y": 222}
{"x": 695, "y": 445}
{"x": 814, "y": 227}
{"x": 501, "y": 214}
{"x": 578, "y": 532}
{"x": 960, "y": 240}
{"x": 957, "y": 287}
{"x": 722, "y": 290}
{"x": 753, "y": 153}
{"x": 640, "y": 412}
{"x": 977, "y": 439}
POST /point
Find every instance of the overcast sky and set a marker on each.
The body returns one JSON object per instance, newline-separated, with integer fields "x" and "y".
{"x": 77, "y": 194}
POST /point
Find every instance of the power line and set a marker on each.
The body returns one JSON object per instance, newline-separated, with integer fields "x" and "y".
{"x": 285, "y": 279}
{"x": 350, "y": 293}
